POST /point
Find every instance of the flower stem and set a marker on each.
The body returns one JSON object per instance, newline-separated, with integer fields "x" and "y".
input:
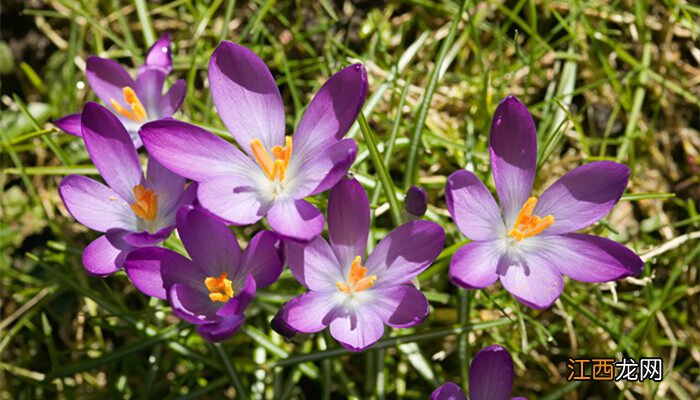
{"x": 463, "y": 349}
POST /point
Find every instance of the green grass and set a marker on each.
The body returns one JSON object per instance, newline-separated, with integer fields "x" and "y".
{"x": 604, "y": 80}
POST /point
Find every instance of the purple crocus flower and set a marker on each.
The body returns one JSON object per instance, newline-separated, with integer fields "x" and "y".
{"x": 133, "y": 211}
{"x": 213, "y": 289}
{"x": 134, "y": 102}
{"x": 273, "y": 174}
{"x": 532, "y": 244}
{"x": 356, "y": 301}
{"x": 490, "y": 378}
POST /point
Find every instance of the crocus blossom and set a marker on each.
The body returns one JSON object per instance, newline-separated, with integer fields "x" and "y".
{"x": 353, "y": 295}
{"x": 213, "y": 288}
{"x": 531, "y": 244}
{"x": 133, "y": 102}
{"x": 131, "y": 209}
{"x": 416, "y": 202}
{"x": 490, "y": 378}
{"x": 273, "y": 174}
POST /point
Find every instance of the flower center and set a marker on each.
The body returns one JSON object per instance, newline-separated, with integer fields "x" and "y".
{"x": 220, "y": 288}
{"x": 137, "y": 113}
{"x": 146, "y": 205}
{"x": 357, "y": 281}
{"x": 528, "y": 225}
{"x": 273, "y": 169}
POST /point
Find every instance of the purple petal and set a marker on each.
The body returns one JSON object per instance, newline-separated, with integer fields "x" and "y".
{"x": 144, "y": 266}
{"x": 160, "y": 55}
{"x": 315, "y": 265}
{"x": 513, "y": 144}
{"x": 172, "y": 100}
{"x": 475, "y": 265}
{"x": 106, "y": 254}
{"x": 296, "y": 219}
{"x": 280, "y": 325}
{"x": 95, "y": 205}
{"x": 357, "y": 329}
{"x": 192, "y": 305}
{"x": 332, "y": 111}
{"x": 167, "y": 185}
{"x": 111, "y": 150}
{"x": 146, "y": 238}
{"x": 70, "y": 124}
{"x": 221, "y": 330}
{"x": 149, "y": 89}
{"x": 107, "y": 79}
{"x": 321, "y": 172}
{"x": 246, "y": 96}
{"x": 191, "y": 151}
{"x": 532, "y": 281}
{"x": 348, "y": 220}
{"x": 472, "y": 207}
{"x": 263, "y": 258}
{"x": 448, "y": 391}
{"x": 400, "y": 306}
{"x": 210, "y": 243}
{"x": 583, "y": 196}
{"x": 587, "y": 258}
{"x": 416, "y": 201}
{"x": 491, "y": 374}
{"x": 311, "y": 312}
{"x": 234, "y": 198}
{"x": 405, "y": 252}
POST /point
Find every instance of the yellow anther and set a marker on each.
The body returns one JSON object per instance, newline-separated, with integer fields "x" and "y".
{"x": 357, "y": 281}
{"x": 146, "y": 205}
{"x": 277, "y": 168}
{"x": 220, "y": 288}
{"x": 528, "y": 225}
{"x": 137, "y": 113}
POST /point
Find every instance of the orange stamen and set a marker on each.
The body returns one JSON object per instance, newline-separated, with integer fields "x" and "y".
{"x": 357, "y": 281}
{"x": 277, "y": 168}
{"x": 528, "y": 225}
{"x": 137, "y": 113}
{"x": 146, "y": 205}
{"x": 220, "y": 288}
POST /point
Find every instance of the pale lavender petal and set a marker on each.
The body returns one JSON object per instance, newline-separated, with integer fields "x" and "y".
{"x": 296, "y": 219}
{"x": 95, "y": 205}
{"x": 513, "y": 147}
{"x": 531, "y": 280}
{"x": 107, "y": 79}
{"x": 167, "y": 185}
{"x": 192, "y": 305}
{"x": 311, "y": 312}
{"x": 246, "y": 96}
{"x": 448, "y": 391}
{"x": 111, "y": 150}
{"x": 209, "y": 243}
{"x": 586, "y": 258}
{"x": 416, "y": 201}
{"x": 145, "y": 265}
{"x": 315, "y": 265}
{"x": 70, "y": 124}
{"x": 193, "y": 152}
{"x": 348, "y": 220}
{"x": 405, "y": 252}
{"x": 583, "y": 196}
{"x": 472, "y": 207}
{"x": 172, "y": 100}
{"x": 321, "y": 172}
{"x": 332, "y": 111}
{"x": 399, "y": 306}
{"x": 234, "y": 198}
{"x": 341, "y": 156}
{"x": 491, "y": 374}
{"x": 221, "y": 330}
{"x": 357, "y": 330}
{"x": 149, "y": 89}
{"x": 106, "y": 254}
{"x": 475, "y": 265}
{"x": 146, "y": 238}
{"x": 160, "y": 55}
{"x": 263, "y": 258}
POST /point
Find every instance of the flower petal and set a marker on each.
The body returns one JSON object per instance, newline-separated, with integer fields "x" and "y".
{"x": 513, "y": 147}
{"x": 160, "y": 55}
{"x": 348, "y": 220}
{"x": 168, "y": 186}
{"x": 95, "y": 205}
{"x": 416, "y": 201}
{"x": 405, "y": 252}
{"x": 448, "y": 391}
{"x": 491, "y": 374}
{"x": 246, "y": 96}
{"x": 472, "y": 207}
{"x": 263, "y": 258}
{"x": 311, "y": 312}
{"x": 531, "y": 280}
{"x": 475, "y": 265}
{"x": 399, "y": 306}
{"x": 191, "y": 151}
{"x": 107, "y": 78}
{"x": 296, "y": 219}
{"x": 172, "y": 100}
{"x": 106, "y": 254}
{"x": 322, "y": 172}
{"x": 70, "y": 124}
{"x": 191, "y": 305}
{"x": 221, "y": 330}
{"x": 234, "y": 198}
{"x": 149, "y": 89}
{"x": 144, "y": 266}
{"x": 587, "y": 258}
{"x": 111, "y": 150}
{"x": 332, "y": 111}
{"x": 583, "y": 196}
{"x": 357, "y": 330}
{"x": 315, "y": 265}
{"x": 146, "y": 238}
